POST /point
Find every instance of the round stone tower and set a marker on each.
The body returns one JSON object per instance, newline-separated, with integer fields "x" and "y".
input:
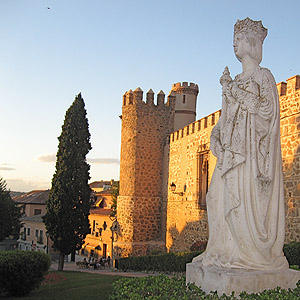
{"x": 145, "y": 128}
{"x": 185, "y": 104}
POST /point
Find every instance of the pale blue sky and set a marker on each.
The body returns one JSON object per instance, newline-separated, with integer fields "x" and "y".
{"x": 102, "y": 49}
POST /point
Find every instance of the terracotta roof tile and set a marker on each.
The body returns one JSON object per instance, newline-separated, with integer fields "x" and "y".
{"x": 100, "y": 211}
{"x": 33, "y": 197}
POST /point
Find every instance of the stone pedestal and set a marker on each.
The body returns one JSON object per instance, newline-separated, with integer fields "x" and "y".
{"x": 225, "y": 281}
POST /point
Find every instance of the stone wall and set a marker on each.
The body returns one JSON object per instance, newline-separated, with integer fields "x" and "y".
{"x": 150, "y": 215}
{"x": 186, "y": 220}
{"x": 145, "y": 127}
{"x": 289, "y": 93}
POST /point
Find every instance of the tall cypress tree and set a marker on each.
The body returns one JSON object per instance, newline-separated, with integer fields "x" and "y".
{"x": 68, "y": 205}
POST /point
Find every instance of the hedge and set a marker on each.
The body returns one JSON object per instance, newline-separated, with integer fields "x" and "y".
{"x": 176, "y": 262}
{"x": 22, "y": 271}
{"x": 163, "y": 287}
{"x": 170, "y": 262}
{"x": 292, "y": 253}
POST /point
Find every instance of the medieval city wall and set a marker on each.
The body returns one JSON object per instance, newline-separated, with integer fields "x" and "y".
{"x": 289, "y": 95}
{"x": 152, "y": 216}
{"x": 186, "y": 219}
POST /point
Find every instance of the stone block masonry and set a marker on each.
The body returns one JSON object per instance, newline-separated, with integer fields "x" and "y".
{"x": 186, "y": 218}
{"x": 154, "y": 154}
{"x": 289, "y": 95}
{"x": 145, "y": 127}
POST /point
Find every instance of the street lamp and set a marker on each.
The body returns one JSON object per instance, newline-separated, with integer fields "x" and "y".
{"x": 47, "y": 235}
{"x": 113, "y": 228}
{"x": 173, "y": 189}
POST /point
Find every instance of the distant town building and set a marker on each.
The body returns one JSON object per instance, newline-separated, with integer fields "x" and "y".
{"x": 98, "y": 186}
{"x": 98, "y": 243}
{"x": 33, "y": 233}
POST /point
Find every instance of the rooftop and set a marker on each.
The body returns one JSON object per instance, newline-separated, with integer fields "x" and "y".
{"x": 33, "y": 197}
{"x": 100, "y": 211}
{"x": 99, "y": 184}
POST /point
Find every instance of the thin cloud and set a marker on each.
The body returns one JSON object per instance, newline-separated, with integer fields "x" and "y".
{"x": 47, "y": 157}
{"x": 104, "y": 161}
{"x": 25, "y": 185}
{"x": 5, "y": 167}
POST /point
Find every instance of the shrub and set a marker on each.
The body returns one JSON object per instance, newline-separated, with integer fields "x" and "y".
{"x": 22, "y": 271}
{"x": 170, "y": 262}
{"x": 163, "y": 287}
{"x": 292, "y": 253}
{"x": 199, "y": 246}
{"x": 159, "y": 287}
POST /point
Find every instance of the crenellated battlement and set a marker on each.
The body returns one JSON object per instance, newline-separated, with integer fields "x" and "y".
{"x": 289, "y": 87}
{"x": 134, "y": 97}
{"x": 185, "y": 87}
{"x": 206, "y": 122}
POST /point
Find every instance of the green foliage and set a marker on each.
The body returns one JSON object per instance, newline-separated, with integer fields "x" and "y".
{"x": 176, "y": 262}
{"x": 69, "y": 199}
{"x": 199, "y": 246}
{"x": 169, "y": 262}
{"x": 115, "y": 194}
{"x": 163, "y": 287}
{"x": 292, "y": 253}
{"x": 159, "y": 287}
{"x": 10, "y": 214}
{"x": 22, "y": 271}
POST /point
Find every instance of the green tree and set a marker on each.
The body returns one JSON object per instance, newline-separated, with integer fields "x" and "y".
{"x": 69, "y": 203}
{"x": 10, "y": 214}
{"x": 115, "y": 194}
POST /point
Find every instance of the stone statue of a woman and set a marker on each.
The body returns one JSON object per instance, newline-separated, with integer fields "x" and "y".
{"x": 245, "y": 201}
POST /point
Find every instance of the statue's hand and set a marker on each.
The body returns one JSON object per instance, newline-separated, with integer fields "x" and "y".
{"x": 216, "y": 147}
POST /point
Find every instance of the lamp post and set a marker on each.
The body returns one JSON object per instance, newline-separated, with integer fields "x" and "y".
{"x": 47, "y": 237}
{"x": 173, "y": 189}
{"x": 113, "y": 228}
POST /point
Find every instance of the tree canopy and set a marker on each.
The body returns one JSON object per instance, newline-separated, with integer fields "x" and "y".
{"x": 10, "y": 214}
{"x": 68, "y": 205}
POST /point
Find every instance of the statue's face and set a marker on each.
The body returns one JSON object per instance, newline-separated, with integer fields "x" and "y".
{"x": 240, "y": 46}
{"x": 247, "y": 45}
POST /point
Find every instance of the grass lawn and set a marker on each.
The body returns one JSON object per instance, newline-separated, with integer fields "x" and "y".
{"x": 73, "y": 285}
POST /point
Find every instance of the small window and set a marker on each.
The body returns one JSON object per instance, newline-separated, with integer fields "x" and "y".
{"x": 36, "y": 233}
{"x": 28, "y": 231}
{"x": 183, "y": 99}
{"x": 37, "y": 212}
{"x": 104, "y": 225}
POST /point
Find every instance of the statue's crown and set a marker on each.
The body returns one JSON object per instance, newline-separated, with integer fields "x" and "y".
{"x": 249, "y": 26}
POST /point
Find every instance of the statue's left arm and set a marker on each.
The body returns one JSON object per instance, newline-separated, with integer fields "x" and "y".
{"x": 267, "y": 125}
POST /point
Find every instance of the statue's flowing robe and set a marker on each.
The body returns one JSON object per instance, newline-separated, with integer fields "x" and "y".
{"x": 245, "y": 200}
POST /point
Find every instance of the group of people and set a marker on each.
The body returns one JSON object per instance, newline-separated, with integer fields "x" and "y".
{"x": 97, "y": 264}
